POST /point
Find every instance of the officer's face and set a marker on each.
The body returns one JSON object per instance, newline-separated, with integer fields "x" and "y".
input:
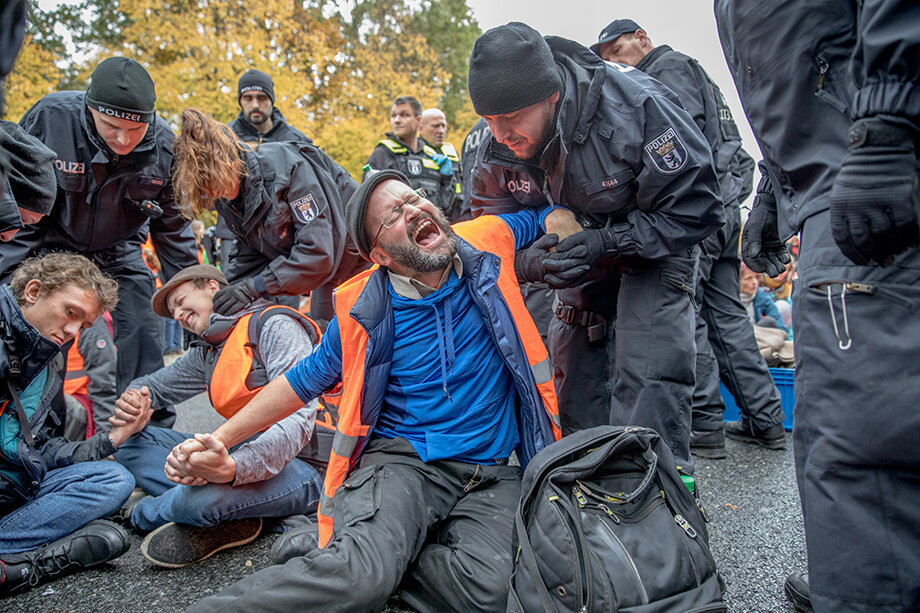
{"x": 403, "y": 121}
{"x": 527, "y": 130}
{"x": 626, "y": 49}
{"x": 434, "y": 129}
{"x": 121, "y": 135}
{"x": 60, "y": 314}
{"x": 418, "y": 240}
{"x": 192, "y": 306}
{"x": 256, "y": 106}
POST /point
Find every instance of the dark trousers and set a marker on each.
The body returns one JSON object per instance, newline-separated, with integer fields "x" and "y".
{"x": 725, "y": 345}
{"x": 641, "y": 373}
{"x": 439, "y": 533}
{"x": 138, "y": 334}
{"x": 856, "y": 423}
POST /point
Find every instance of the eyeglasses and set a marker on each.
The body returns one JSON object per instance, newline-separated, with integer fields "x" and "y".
{"x": 393, "y": 217}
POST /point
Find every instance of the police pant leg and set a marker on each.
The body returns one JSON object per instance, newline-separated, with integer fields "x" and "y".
{"x": 584, "y": 374}
{"x": 707, "y": 401}
{"x": 138, "y": 335}
{"x": 468, "y": 567}
{"x": 655, "y": 350}
{"x": 538, "y": 298}
{"x": 856, "y": 423}
{"x": 383, "y": 515}
{"x": 742, "y": 367}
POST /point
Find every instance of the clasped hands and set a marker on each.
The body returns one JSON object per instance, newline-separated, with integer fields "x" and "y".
{"x": 200, "y": 460}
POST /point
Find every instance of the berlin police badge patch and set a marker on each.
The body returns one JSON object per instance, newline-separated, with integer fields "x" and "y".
{"x": 667, "y": 152}
{"x": 304, "y": 209}
{"x": 415, "y": 167}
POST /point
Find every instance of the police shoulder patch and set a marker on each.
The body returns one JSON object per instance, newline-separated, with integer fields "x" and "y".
{"x": 304, "y": 209}
{"x": 667, "y": 152}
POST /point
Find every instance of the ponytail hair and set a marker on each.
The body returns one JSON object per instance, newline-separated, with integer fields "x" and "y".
{"x": 207, "y": 161}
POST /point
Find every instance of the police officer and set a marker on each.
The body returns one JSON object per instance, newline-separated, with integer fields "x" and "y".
{"x": 433, "y": 132}
{"x": 617, "y": 149}
{"x": 471, "y": 144}
{"x": 12, "y": 32}
{"x": 404, "y": 151}
{"x": 283, "y": 201}
{"x": 724, "y": 337}
{"x": 259, "y": 120}
{"x": 114, "y": 156}
{"x": 28, "y": 186}
{"x": 831, "y": 91}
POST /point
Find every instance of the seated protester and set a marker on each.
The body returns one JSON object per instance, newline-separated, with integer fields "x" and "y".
{"x": 283, "y": 201}
{"x": 237, "y": 354}
{"x": 53, "y": 491}
{"x": 757, "y": 302}
{"x": 89, "y": 385}
{"x": 443, "y": 375}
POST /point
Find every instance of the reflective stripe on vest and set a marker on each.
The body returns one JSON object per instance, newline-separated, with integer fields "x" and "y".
{"x": 486, "y": 233}
{"x": 392, "y": 145}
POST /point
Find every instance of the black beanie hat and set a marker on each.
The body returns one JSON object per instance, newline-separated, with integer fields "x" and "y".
{"x": 30, "y": 168}
{"x": 356, "y": 208}
{"x": 255, "y": 80}
{"x": 511, "y": 67}
{"x": 121, "y": 88}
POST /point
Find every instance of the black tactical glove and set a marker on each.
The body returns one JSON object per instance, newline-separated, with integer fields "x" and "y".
{"x": 528, "y": 263}
{"x": 874, "y": 209}
{"x": 574, "y": 257}
{"x": 761, "y": 248}
{"x": 236, "y": 297}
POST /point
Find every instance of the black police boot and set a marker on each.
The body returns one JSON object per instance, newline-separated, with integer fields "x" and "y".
{"x": 773, "y": 437}
{"x": 296, "y": 542}
{"x": 95, "y": 543}
{"x": 796, "y": 588}
{"x": 708, "y": 444}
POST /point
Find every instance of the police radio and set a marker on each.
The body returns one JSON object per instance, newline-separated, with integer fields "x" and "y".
{"x": 150, "y": 208}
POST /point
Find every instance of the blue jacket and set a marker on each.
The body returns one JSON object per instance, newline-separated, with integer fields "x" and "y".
{"x": 374, "y": 312}
{"x": 765, "y": 307}
{"x": 21, "y": 476}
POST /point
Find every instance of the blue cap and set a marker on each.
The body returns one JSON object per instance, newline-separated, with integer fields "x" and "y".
{"x": 615, "y": 29}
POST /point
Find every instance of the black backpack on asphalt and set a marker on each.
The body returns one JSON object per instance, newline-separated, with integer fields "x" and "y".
{"x": 605, "y": 523}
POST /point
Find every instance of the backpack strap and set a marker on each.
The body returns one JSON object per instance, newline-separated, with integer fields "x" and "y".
{"x": 529, "y": 559}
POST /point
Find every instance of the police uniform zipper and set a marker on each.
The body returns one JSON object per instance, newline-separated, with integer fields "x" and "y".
{"x": 823, "y": 67}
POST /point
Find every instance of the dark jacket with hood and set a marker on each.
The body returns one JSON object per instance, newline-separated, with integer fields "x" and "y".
{"x": 97, "y": 211}
{"x": 291, "y": 211}
{"x": 21, "y": 473}
{"x": 624, "y": 154}
{"x": 281, "y": 130}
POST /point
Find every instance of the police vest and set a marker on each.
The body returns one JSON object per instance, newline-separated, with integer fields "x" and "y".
{"x": 422, "y": 171}
{"x": 486, "y": 233}
{"x": 238, "y": 373}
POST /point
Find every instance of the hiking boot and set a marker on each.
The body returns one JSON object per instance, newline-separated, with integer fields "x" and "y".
{"x": 708, "y": 444}
{"x": 176, "y": 545}
{"x": 773, "y": 437}
{"x": 796, "y": 588}
{"x": 95, "y": 543}
{"x": 296, "y": 542}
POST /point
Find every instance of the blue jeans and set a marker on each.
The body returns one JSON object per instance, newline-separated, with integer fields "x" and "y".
{"x": 292, "y": 491}
{"x": 172, "y": 335}
{"x": 68, "y": 499}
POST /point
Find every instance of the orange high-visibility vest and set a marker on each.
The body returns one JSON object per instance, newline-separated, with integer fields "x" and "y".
{"x": 237, "y": 376}
{"x": 486, "y": 233}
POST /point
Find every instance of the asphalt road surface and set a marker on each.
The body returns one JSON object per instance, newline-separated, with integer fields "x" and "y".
{"x": 755, "y": 531}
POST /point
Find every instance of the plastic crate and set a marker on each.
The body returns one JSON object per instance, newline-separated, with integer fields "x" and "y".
{"x": 785, "y": 383}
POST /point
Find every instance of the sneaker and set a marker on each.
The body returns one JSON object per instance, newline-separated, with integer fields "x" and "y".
{"x": 122, "y": 516}
{"x": 176, "y": 545}
{"x": 95, "y": 543}
{"x": 773, "y": 437}
{"x": 296, "y": 542}
{"x": 796, "y": 588}
{"x": 708, "y": 444}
